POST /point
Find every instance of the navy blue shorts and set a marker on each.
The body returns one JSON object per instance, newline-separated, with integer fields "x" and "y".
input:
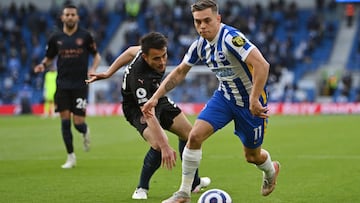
{"x": 74, "y": 100}
{"x": 165, "y": 111}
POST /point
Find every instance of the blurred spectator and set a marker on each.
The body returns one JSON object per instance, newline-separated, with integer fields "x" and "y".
{"x": 358, "y": 48}
{"x": 331, "y": 84}
{"x": 349, "y": 14}
{"x": 109, "y": 57}
{"x": 8, "y": 95}
{"x": 291, "y": 17}
{"x": 132, "y": 8}
{"x": 37, "y": 52}
{"x": 14, "y": 64}
{"x": 320, "y": 5}
{"x": 3, "y": 59}
{"x": 24, "y": 99}
{"x": 357, "y": 96}
{"x": 344, "y": 88}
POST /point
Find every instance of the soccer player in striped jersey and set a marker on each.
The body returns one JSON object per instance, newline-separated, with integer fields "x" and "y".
{"x": 241, "y": 97}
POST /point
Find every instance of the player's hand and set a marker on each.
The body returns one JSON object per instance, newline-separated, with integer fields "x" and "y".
{"x": 39, "y": 68}
{"x": 257, "y": 109}
{"x": 96, "y": 76}
{"x": 146, "y": 108}
{"x": 168, "y": 157}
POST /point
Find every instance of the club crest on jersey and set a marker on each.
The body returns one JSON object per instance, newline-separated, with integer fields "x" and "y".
{"x": 238, "y": 41}
{"x": 221, "y": 56}
{"x": 79, "y": 41}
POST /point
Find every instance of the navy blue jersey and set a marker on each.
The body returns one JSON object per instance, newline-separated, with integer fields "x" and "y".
{"x": 73, "y": 53}
{"x": 140, "y": 82}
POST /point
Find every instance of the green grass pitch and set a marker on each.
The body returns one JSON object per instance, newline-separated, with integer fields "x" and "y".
{"x": 319, "y": 155}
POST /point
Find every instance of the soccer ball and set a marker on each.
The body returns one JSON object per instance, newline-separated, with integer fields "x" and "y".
{"x": 215, "y": 196}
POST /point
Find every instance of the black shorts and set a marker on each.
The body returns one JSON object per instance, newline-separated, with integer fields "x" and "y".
{"x": 165, "y": 112}
{"x": 74, "y": 100}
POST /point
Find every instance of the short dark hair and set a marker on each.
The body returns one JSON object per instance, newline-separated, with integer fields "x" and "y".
{"x": 69, "y": 6}
{"x": 204, "y": 4}
{"x": 152, "y": 40}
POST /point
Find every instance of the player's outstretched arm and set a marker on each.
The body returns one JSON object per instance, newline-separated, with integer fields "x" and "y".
{"x": 170, "y": 82}
{"x": 123, "y": 59}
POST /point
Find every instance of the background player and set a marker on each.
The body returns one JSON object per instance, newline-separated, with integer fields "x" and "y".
{"x": 73, "y": 46}
{"x": 49, "y": 92}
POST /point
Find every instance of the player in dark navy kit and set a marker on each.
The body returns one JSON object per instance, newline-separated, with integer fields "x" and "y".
{"x": 142, "y": 77}
{"x": 72, "y": 46}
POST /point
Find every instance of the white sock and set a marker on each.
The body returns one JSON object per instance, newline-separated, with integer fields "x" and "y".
{"x": 72, "y": 156}
{"x": 190, "y": 162}
{"x": 267, "y": 166}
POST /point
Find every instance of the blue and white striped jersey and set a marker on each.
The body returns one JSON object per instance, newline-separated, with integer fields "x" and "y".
{"x": 225, "y": 56}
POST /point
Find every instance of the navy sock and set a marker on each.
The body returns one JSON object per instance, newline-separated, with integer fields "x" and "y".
{"x": 67, "y": 135}
{"x": 152, "y": 162}
{"x": 82, "y": 128}
{"x": 196, "y": 181}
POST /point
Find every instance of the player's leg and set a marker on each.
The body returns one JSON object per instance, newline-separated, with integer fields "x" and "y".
{"x": 251, "y": 130}
{"x": 46, "y": 108}
{"x": 181, "y": 126}
{"x": 151, "y": 163}
{"x": 51, "y": 98}
{"x": 192, "y": 152}
{"x": 68, "y": 139}
{"x": 262, "y": 159}
{"x": 152, "y": 159}
{"x": 51, "y": 109}
{"x": 78, "y": 108}
{"x": 270, "y": 170}
{"x": 191, "y": 161}
{"x": 82, "y": 127}
{"x": 214, "y": 116}
{"x": 66, "y": 130}
{"x": 49, "y": 104}
{"x": 62, "y": 106}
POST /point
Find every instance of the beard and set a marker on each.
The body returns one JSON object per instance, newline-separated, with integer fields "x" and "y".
{"x": 70, "y": 25}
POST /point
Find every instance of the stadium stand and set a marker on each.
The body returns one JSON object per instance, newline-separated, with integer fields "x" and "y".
{"x": 296, "y": 40}
{"x": 25, "y": 28}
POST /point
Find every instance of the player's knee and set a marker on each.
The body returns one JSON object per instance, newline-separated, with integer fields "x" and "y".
{"x": 195, "y": 141}
{"x": 81, "y": 127}
{"x": 252, "y": 158}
